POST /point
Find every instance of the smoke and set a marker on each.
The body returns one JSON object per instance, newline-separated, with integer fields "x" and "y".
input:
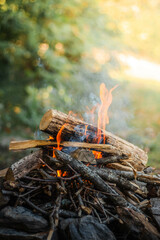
{"x": 120, "y": 113}
{"x": 80, "y": 94}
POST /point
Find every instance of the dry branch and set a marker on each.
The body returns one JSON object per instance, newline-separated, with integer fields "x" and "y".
{"x": 92, "y": 176}
{"x": 53, "y": 120}
{"x": 142, "y": 177}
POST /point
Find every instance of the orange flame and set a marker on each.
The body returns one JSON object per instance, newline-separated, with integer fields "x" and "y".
{"x": 106, "y": 100}
{"x": 103, "y": 119}
{"x": 59, "y": 173}
{"x": 51, "y": 138}
{"x": 97, "y": 154}
{"x": 58, "y": 138}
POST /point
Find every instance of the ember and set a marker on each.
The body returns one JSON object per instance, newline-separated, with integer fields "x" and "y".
{"x": 98, "y": 187}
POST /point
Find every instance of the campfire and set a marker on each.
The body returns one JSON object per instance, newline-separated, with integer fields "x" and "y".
{"x": 83, "y": 183}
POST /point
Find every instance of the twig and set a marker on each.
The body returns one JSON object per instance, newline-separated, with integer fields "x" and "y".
{"x": 69, "y": 178}
{"x": 93, "y": 177}
{"x": 73, "y": 202}
{"x": 47, "y": 166}
{"x": 96, "y": 213}
{"x": 55, "y": 213}
{"x": 53, "y": 180}
{"x": 34, "y": 206}
{"x": 31, "y": 191}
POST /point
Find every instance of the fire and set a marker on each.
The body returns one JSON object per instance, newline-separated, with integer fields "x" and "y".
{"x": 97, "y": 154}
{"x": 51, "y": 138}
{"x": 58, "y": 138}
{"x": 106, "y": 100}
{"x": 59, "y": 173}
{"x": 103, "y": 119}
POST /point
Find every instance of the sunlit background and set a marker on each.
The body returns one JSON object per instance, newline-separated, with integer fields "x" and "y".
{"x": 55, "y": 54}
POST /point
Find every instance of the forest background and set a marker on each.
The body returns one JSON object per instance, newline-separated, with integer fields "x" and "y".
{"x": 55, "y": 54}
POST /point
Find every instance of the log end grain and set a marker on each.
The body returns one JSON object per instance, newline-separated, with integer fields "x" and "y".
{"x": 46, "y": 119}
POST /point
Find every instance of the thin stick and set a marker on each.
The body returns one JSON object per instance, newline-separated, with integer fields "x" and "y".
{"x": 34, "y": 206}
{"x": 54, "y": 179}
{"x": 47, "y": 166}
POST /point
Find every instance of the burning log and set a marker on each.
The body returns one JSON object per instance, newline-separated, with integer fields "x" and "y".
{"x": 53, "y": 120}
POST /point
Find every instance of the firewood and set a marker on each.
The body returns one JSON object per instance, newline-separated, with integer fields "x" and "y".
{"x": 120, "y": 181}
{"x": 53, "y": 120}
{"x": 120, "y": 166}
{"x": 21, "y": 145}
{"x": 92, "y": 176}
{"x": 142, "y": 177}
{"x": 155, "y": 210}
{"x": 84, "y": 155}
{"x": 24, "y": 165}
{"x": 110, "y": 159}
{"x": 3, "y": 172}
{"x": 137, "y": 225}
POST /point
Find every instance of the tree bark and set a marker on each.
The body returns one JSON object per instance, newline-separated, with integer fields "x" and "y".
{"x": 53, "y": 120}
{"x": 24, "y": 166}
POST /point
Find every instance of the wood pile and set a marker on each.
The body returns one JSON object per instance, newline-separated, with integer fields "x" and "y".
{"x": 65, "y": 192}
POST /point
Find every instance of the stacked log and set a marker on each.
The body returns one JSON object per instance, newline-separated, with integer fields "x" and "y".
{"x": 73, "y": 195}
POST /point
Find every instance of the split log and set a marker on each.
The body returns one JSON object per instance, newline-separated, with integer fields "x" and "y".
{"x": 24, "y": 166}
{"x": 21, "y": 145}
{"x": 53, "y": 120}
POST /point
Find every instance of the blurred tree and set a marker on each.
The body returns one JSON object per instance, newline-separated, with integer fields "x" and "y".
{"x": 41, "y": 45}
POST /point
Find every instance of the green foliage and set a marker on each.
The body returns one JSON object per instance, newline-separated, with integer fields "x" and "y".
{"x": 41, "y": 45}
